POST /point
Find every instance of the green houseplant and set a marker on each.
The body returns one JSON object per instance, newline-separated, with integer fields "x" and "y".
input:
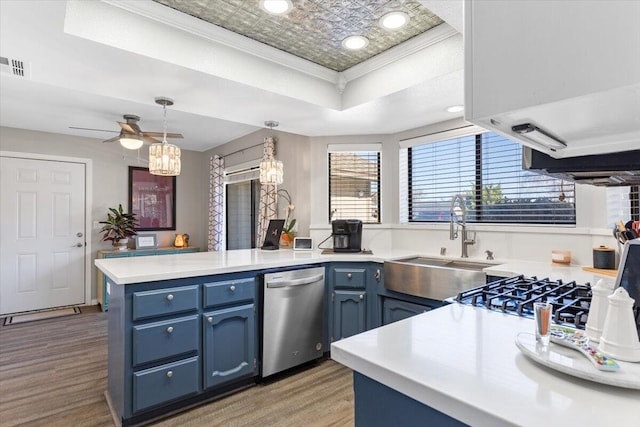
{"x": 118, "y": 227}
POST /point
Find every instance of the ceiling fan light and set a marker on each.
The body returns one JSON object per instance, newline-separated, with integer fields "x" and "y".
{"x": 164, "y": 159}
{"x": 131, "y": 142}
{"x": 394, "y": 20}
{"x": 276, "y": 7}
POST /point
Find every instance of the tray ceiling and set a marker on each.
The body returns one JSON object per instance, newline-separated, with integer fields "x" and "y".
{"x": 314, "y": 29}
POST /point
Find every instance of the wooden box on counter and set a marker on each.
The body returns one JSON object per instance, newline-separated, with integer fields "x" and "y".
{"x": 103, "y": 295}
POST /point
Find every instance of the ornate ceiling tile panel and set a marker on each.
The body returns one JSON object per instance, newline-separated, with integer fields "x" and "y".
{"x": 314, "y": 29}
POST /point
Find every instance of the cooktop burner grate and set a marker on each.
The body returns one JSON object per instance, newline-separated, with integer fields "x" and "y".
{"x": 516, "y": 295}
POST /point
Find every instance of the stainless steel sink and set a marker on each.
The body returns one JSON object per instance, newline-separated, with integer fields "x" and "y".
{"x": 434, "y": 278}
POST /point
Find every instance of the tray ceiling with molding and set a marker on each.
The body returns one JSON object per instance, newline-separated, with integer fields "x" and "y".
{"x": 314, "y": 29}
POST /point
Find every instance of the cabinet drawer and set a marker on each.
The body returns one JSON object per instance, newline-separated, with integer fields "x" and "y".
{"x": 229, "y": 291}
{"x": 159, "y": 340}
{"x": 349, "y": 277}
{"x": 164, "y": 383}
{"x": 164, "y": 301}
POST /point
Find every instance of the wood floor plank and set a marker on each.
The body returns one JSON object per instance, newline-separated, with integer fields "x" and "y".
{"x": 54, "y": 373}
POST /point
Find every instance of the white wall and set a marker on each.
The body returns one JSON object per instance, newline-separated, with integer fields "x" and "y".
{"x": 110, "y": 181}
{"x": 506, "y": 242}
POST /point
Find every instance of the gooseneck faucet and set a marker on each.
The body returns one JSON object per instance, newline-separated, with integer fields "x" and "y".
{"x": 459, "y": 218}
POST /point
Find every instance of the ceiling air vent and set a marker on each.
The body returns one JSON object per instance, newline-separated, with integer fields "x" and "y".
{"x": 15, "y": 67}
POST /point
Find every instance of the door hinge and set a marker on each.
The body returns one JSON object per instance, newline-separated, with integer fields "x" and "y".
{"x": 255, "y": 363}
{"x": 333, "y": 297}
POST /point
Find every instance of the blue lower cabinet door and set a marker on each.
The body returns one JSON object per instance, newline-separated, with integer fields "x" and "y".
{"x": 394, "y": 310}
{"x": 229, "y": 344}
{"x": 165, "y": 383}
{"x": 349, "y": 314}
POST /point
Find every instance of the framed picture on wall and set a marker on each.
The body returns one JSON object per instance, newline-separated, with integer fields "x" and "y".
{"x": 152, "y": 199}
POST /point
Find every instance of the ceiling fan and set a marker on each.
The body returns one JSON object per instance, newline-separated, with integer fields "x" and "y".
{"x": 131, "y": 136}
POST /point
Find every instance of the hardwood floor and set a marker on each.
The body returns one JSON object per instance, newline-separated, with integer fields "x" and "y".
{"x": 54, "y": 373}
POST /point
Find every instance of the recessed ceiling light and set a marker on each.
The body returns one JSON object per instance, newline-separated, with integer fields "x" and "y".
{"x": 276, "y": 7}
{"x": 455, "y": 109}
{"x": 394, "y": 20}
{"x": 355, "y": 42}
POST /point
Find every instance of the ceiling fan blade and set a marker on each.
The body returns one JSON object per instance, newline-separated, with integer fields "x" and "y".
{"x": 150, "y": 140}
{"x": 99, "y": 130}
{"x": 114, "y": 139}
{"x": 128, "y": 128}
{"x": 160, "y": 134}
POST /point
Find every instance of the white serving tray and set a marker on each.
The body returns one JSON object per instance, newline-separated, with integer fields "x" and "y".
{"x": 572, "y": 362}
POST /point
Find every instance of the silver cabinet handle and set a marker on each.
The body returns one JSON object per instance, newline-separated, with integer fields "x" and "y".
{"x": 170, "y": 297}
{"x": 210, "y": 319}
{"x": 232, "y": 288}
{"x": 170, "y": 329}
{"x": 169, "y": 374}
{"x": 361, "y": 296}
{"x": 349, "y": 276}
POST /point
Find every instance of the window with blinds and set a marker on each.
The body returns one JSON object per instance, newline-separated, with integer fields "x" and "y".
{"x": 487, "y": 169}
{"x": 623, "y": 204}
{"x": 354, "y": 186}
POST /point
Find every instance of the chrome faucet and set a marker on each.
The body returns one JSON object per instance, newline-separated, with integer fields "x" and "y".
{"x": 460, "y": 219}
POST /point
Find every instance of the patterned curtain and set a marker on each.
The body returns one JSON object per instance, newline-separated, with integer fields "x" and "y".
{"x": 268, "y": 207}
{"x": 215, "y": 239}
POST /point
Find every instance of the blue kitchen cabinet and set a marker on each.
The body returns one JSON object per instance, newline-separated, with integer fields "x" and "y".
{"x": 103, "y": 287}
{"x": 394, "y": 310}
{"x": 229, "y": 344}
{"x": 174, "y": 343}
{"x": 352, "y": 302}
{"x": 349, "y": 313}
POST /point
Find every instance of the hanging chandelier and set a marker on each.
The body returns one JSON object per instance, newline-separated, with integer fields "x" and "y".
{"x": 164, "y": 158}
{"x": 271, "y": 170}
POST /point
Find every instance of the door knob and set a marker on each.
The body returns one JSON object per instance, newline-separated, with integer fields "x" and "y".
{"x": 77, "y": 245}
{"x": 79, "y": 234}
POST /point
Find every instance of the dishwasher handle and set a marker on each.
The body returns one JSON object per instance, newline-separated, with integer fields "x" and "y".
{"x": 294, "y": 282}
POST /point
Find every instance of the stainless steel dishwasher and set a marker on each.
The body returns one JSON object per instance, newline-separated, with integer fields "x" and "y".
{"x": 293, "y": 327}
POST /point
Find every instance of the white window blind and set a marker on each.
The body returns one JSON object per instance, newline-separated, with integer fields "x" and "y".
{"x": 487, "y": 168}
{"x": 354, "y": 186}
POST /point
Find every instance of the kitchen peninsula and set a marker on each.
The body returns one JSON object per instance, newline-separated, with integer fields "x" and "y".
{"x": 183, "y": 328}
{"x": 164, "y": 311}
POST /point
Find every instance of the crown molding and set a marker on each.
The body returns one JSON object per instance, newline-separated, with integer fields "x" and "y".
{"x": 165, "y": 15}
{"x": 396, "y": 53}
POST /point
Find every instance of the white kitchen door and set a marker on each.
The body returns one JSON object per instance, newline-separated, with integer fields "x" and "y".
{"x": 42, "y": 234}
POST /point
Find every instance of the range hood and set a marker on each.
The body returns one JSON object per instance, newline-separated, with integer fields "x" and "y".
{"x": 607, "y": 170}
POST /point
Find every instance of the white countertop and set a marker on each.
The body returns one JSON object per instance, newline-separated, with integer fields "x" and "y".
{"x": 127, "y": 270}
{"x": 463, "y": 361}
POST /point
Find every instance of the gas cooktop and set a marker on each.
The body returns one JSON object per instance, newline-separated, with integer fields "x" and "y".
{"x": 516, "y": 295}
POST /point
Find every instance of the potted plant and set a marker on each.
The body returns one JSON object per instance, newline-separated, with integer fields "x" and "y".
{"x": 289, "y": 222}
{"x": 118, "y": 227}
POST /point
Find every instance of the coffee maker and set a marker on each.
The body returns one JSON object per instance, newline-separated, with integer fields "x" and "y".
{"x": 347, "y": 235}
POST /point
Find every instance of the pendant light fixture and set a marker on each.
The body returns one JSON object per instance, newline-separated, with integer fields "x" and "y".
{"x": 271, "y": 170}
{"x": 164, "y": 158}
